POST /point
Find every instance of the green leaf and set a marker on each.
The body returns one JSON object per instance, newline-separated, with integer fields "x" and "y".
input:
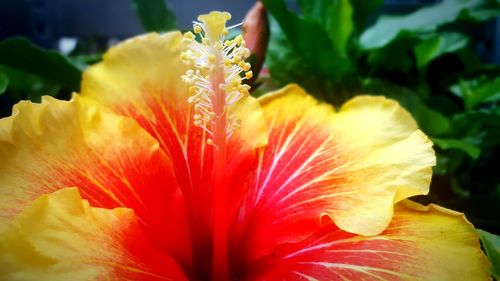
{"x": 477, "y": 91}
{"x": 363, "y": 9}
{"x": 426, "y": 20}
{"x": 432, "y": 122}
{"x": 154, "y": 15}
{"x": 21, "y": 54}
{"x": 483, "y": 126}
{"x": 333, "y": 15}
{"x": 25, "y": 85}
{"x": 448, "y": 161}
{"x": 285, "y": 65}
{"x": 490, "y": 118}
{"x": 310, "y": 41}
{"x": 83, "y": 61}
{"x": 4, "y": 82}
{"x": 472, "y": 150}
{"x": 396, "y": 56}
{"x": 491, "y": 245}
{"x": 438, "y": 45}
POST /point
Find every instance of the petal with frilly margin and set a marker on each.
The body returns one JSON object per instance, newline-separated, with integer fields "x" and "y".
{"x": 60, "y": 237}
{"x": 421, "y": 243}
{"x": 112, "y": 160}
{"x": 352, "y": 165}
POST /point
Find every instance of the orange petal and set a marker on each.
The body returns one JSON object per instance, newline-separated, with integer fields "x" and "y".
{"x": 352, "y": 166}
{"x": 421, "y": 243}
{"x": 60, "y": 237}
{"x": 113, "y": 161}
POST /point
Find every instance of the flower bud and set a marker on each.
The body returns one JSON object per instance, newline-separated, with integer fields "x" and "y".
{"x": 256, "y": 36}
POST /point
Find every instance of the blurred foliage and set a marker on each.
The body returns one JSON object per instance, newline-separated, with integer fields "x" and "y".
{"x": 427, "y": 61}
{"x": 21, "y": 54}
{"x": 491, "y": 245}
{"x": 4, "y": 82}
{"x": 155, "y": 15}
{"x": 426, "y": 20}
{"x": 28, "y": 72}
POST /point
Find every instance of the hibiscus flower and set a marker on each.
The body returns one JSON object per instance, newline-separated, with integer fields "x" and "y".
{"x": 164, "y": 168}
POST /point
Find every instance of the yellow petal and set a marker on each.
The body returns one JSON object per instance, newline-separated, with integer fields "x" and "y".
{"x": 114, "y": 162}
{"x": 60, "y": 237}
{"x": 148, "y": 62}
{"x": 388, "y": 158}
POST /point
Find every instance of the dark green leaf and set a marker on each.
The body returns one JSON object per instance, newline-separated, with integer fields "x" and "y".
{"x": 23, "y": 55}
{"x": 483, "y": 125}
{"x": 395, "y": 56}
{"x": 472, "y": 150}
{"x": 25, "y": 85}
{"x": 363, "y": 9}
{"x": 448, "y": 161}
{"x": 491, "y": 245}
{"x": 438, "y": 45}
{"x": 309, "y": 40}
{"x": 284, "y": 64}
{"x": 432, "y": 122}
{"x": 4, "y": 82}
{"x": 83, "y": 61}
{"x": 477, "y": 91}
{"x": 154, "y": 15}
{"x": 485, "y": 117}
{"x": 426, "y": 20}
{"x": 333, "y": 15}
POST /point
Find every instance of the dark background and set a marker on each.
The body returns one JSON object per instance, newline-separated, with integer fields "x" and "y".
{"x": 45, "y": 22}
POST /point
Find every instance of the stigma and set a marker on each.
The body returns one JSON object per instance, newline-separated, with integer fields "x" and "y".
{"x": 216, "y": 73}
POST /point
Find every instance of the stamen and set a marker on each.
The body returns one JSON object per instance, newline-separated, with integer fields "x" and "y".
{"x": 236, "y": 25}
{"x": 204, "y": 57}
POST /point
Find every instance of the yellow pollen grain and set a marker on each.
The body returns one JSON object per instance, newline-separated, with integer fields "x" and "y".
{"x": 235, "y": 82}
{"x": 242, "y": 65}
{"x": 249, "y": 74}
{"x": 238, "y": 39}
{"x": 189, "y": 35}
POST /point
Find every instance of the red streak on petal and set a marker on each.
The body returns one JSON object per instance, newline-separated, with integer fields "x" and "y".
{"x": 119, "y": 179}
{"x": 333, "y": 254}
{"x": 167, "y": 116}
{"x": 272, "y": 213}
{"x": 145, "y": 261}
